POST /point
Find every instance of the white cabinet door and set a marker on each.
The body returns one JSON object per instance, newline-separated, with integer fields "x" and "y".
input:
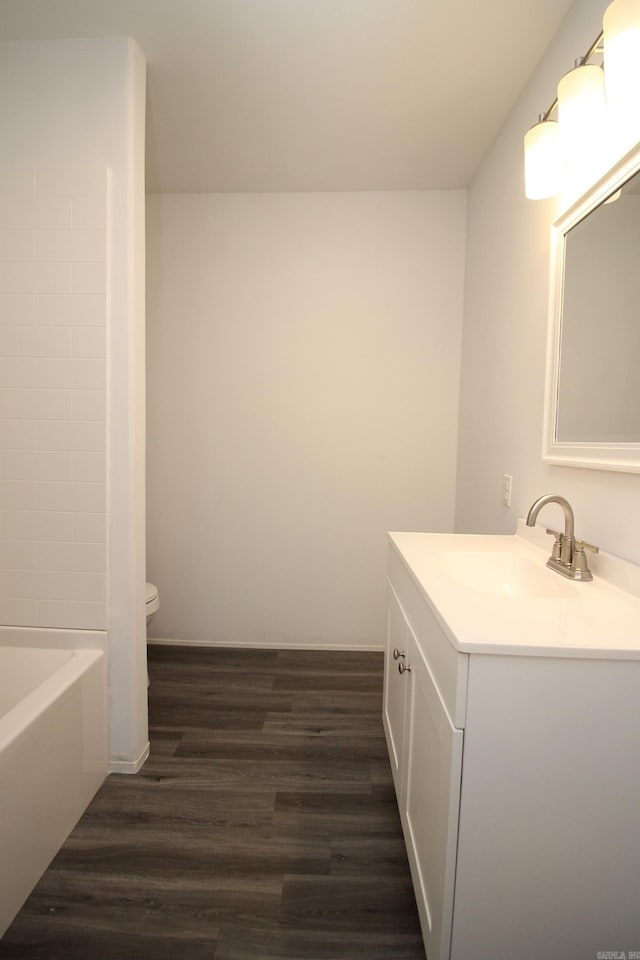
{"x": 431, "y": 802}
{"x": 395, "y": 687}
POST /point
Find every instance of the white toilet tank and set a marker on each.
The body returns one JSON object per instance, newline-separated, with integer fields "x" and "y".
{"x": 152, "y": 600}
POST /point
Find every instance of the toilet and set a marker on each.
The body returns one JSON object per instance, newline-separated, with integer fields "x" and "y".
{"x": 152, "y": 602}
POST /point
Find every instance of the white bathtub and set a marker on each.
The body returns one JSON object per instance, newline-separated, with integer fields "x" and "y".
{"x": 53, "y": 749}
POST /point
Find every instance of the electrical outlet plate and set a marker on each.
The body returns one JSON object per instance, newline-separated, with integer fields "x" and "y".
{"x": 507, "y": 480}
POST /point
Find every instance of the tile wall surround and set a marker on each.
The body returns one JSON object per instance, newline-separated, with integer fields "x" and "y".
{"x": 53, "y": 363}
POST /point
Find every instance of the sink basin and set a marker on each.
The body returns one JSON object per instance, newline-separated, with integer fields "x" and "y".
{"x": 505, "y": 574}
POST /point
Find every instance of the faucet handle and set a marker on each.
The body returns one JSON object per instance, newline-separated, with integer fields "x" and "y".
{"x": 557, "y": 546}
{"x": 583, "y": 545}
{"x": 579, "y": 567}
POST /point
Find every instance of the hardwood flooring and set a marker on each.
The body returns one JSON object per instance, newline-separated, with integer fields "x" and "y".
{"x": 263, "y": 826}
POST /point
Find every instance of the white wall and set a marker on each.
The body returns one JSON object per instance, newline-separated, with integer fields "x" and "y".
{"x": 81, "y": 102}
{"x": 303, "y": 375}
{"x": 505, "y": 324}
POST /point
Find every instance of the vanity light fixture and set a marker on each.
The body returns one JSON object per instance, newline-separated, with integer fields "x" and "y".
{"x": 594, "y": 105}
{"x": 622, "y": 56}
{"x": 543, "y": 169}
{"x": 581, "y": 109}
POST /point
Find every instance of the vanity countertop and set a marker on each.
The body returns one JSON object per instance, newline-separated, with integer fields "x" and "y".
{"x": 494, "y": 594}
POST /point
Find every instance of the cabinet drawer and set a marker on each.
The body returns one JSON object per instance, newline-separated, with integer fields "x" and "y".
{"x": 447, "y": 666}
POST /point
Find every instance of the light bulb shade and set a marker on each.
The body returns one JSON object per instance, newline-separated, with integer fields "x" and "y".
{"x": 581, "y": 111}
{"x": 543, "y": 167}
{"x": 622, "y": 66}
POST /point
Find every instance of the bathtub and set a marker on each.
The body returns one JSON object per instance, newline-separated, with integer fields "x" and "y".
{"x": 53, "y": 749}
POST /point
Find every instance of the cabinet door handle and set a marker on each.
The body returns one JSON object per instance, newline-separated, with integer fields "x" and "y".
{"x": 397, "y": 654}
{"x": 404, "y": 668}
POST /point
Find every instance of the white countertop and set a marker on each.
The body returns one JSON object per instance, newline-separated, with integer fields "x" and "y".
{"x": 598, "y": 619}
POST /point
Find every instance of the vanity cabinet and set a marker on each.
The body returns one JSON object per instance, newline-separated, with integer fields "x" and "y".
{"x": 518, "y": 784}
{"x": 395, "y": 689}
{"x": 425, "y": 751}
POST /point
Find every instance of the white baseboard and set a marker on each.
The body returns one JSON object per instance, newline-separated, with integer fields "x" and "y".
{"x": 270, "y": 645}
{"x": 129, "y": 766}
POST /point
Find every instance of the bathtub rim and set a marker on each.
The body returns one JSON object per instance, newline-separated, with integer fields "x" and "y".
{"x": 86, "y": 648}
{"x": 45, "y": 638}
{"x": 27, "y": 711}
{"x": 71, "y": 639}
{"x": 54, "y": 753}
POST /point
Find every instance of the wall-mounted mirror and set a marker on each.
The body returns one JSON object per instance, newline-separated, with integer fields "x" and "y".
{"x": 592, "y": 411}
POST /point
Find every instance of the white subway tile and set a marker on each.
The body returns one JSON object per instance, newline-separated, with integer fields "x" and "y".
{"x": 55, "y": 497}
{"x": 37, "y": 525}
{"x": 38, "y": 584}
{"x": 89, "y": 374}
{"x": 89, "y": 342}
{"x": 74, "y": 310}
{"x": 19, "y": 613}
{"x": 89, "y": 405}
{"x": 89, "y": 467}
{"x": 16, "y": 341}
{"x": 90, "y": 527}
{"x": 69, "y": 246}
{"x": 72, "y": 615}
{"x": 72, "y": 372}
{"x": 89, "y": 213}
{"x": 17, "y": 584}
{"x": 31, "y": 341}
{"x": 54, "y": 585}
{"x": 18, "y": 465}
{"x": 56, "y": 435}
{"x": 72, "y": 497}
{"x": 51, "y": 614}
{"x": 18, "y": 494}
{"x": 54, "y": 555}
{"x": 18, "y": 555}
{"x": 16, "y": 404}
{"x": 16, "y": 245}
{"x": 52, "y": 342}
{"x": 72, "y": 435}
{"x": 89, "y": 278}
{"x": 90, "y": 587}
{"x": 52, "y": 213}
{"x": 17, "y": 213}
{"x": 16, "y": 309}
{"x": 90, "y": 557}
{"x": 10, "y": 405}
{"x": 27, "y": 213}
{"x": 18, "y": 434}
{"x": 52, "y": 278}
{"x": 17, "y": 277}
{"x": 89, "y": 436}
{"x": 18, "y": 372}
{"x": 16, "y": 181}
{"x": 71, "y": 180}
{"x": 55, "y": 373}
{"x": 90, "y": 497}
{"x": 53, "y": 465}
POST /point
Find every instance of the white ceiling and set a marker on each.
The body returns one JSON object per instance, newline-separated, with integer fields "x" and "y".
{"x": 271, "y": 95}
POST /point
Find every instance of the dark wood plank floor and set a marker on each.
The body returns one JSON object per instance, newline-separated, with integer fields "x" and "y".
{"x": 264, "y": 825}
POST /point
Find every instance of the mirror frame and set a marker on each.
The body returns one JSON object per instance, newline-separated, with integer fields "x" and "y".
{"x": 623, "y": 457}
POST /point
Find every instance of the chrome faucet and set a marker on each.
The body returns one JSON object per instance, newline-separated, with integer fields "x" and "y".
{"x": 568, "y": 556}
